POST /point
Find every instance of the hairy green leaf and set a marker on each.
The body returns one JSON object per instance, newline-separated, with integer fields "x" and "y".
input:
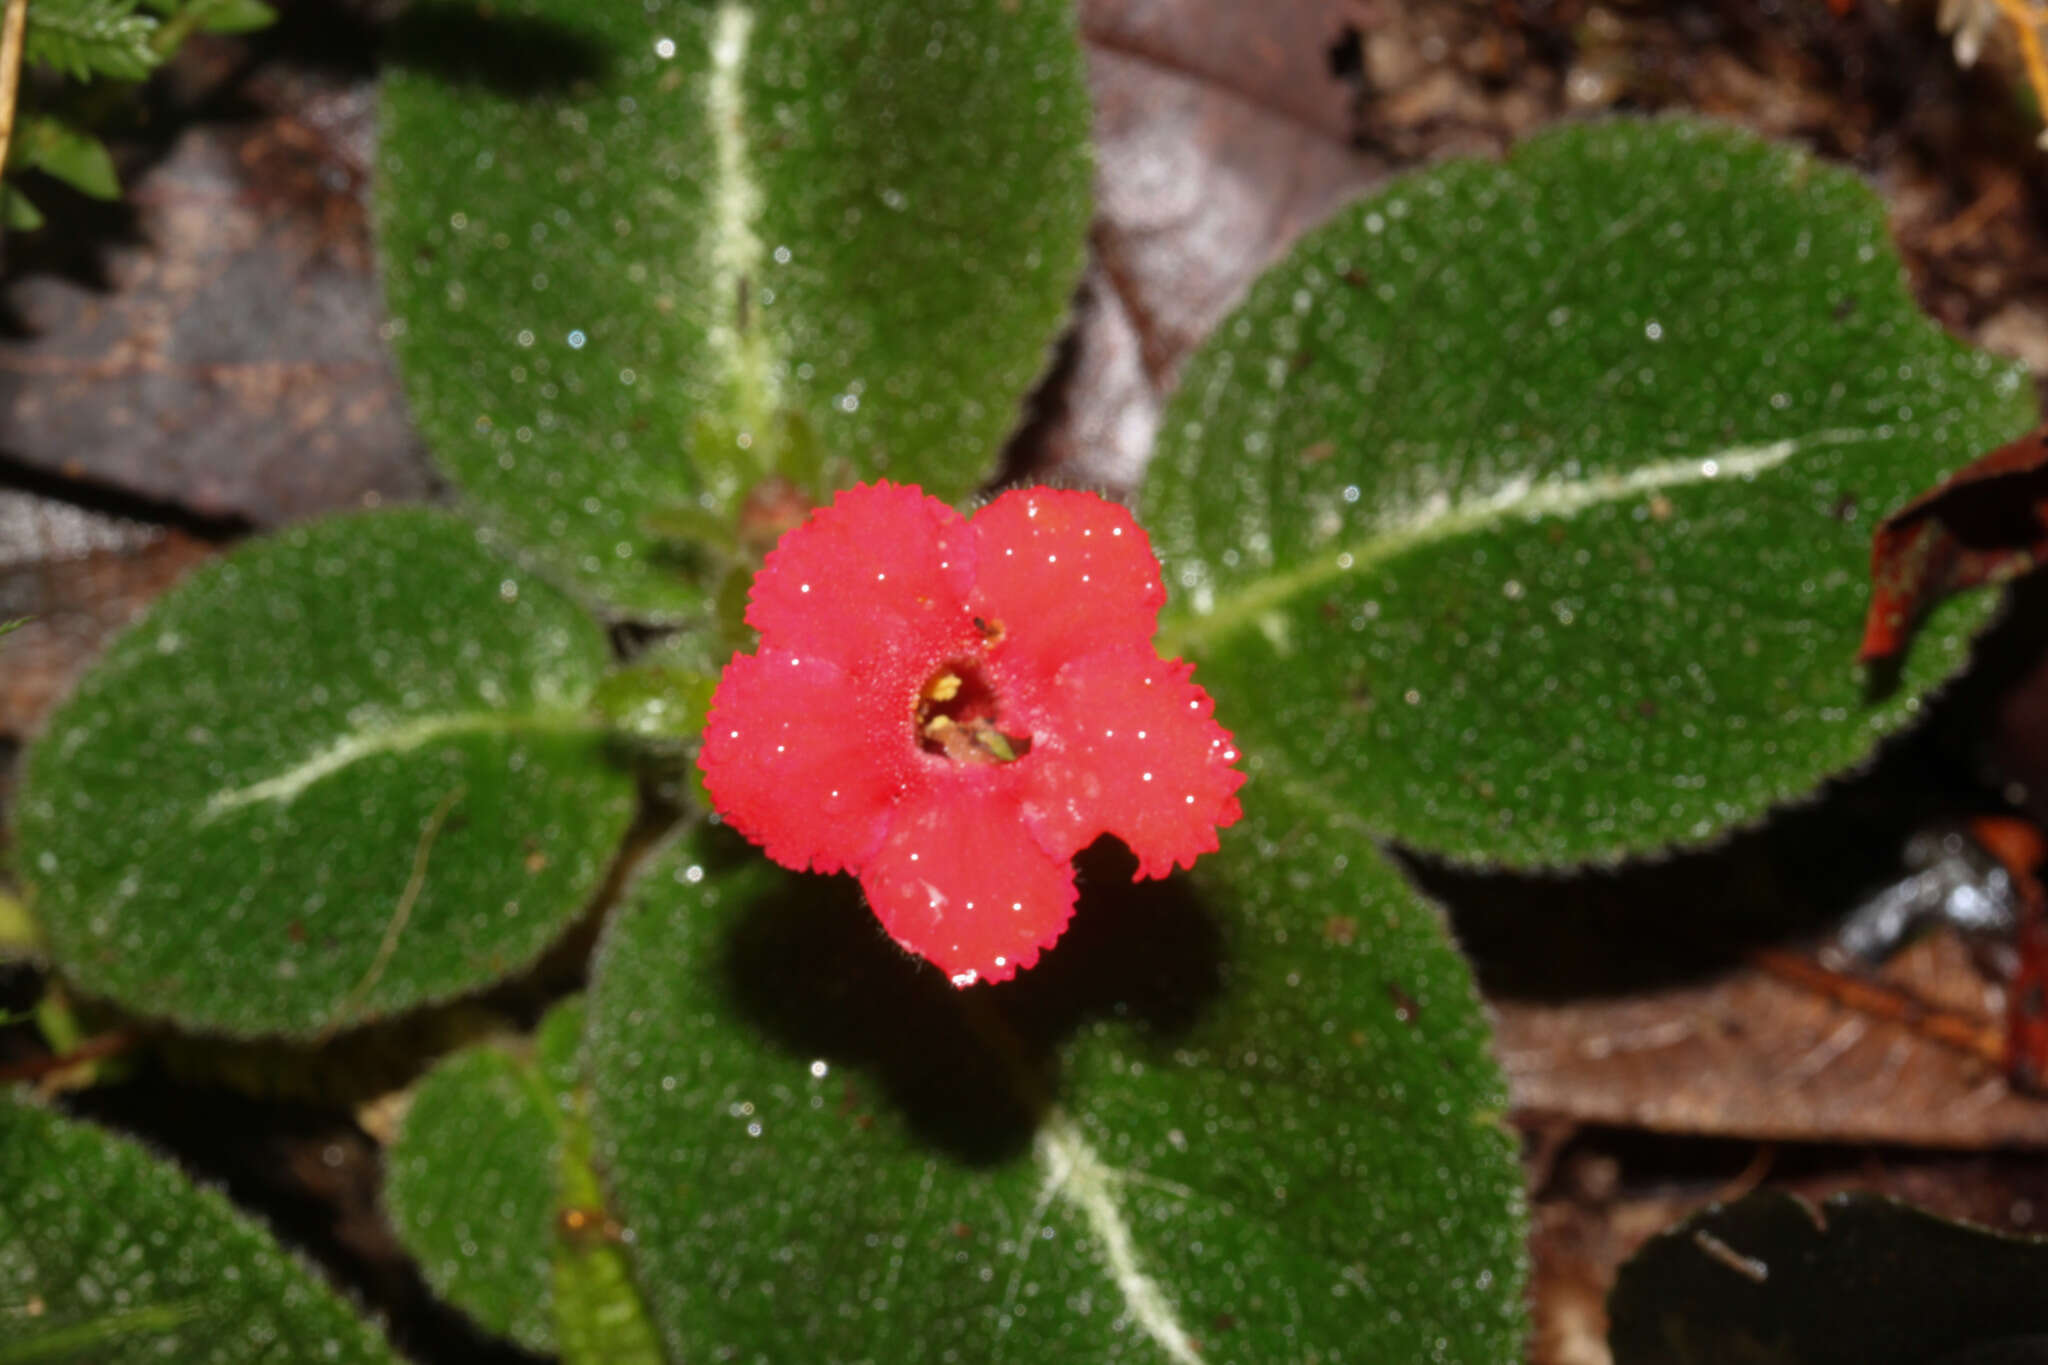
{"x": 1526, "y": 507}
{"x": 1249, "y": 1121}
{"x": 644, "y": 255}
{"x": 338, "y": 773}
{"x": 1858, "y": 1281}
{"x": 489, "y": 1185}
{"x": 88, "y": 38}
{"x": 111, "y": 1257}
{"x": 470, "y": 1184}
{"x": 600, "y": 1316}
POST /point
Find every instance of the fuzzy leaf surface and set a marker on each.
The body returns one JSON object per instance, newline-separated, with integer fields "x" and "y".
{"x": 1525, "y": 507}
{"x": 113, "y": 1257}
{"x": 489, "y": 1185}
{"x": 1247, "y": 1118}
{"x": 645, "y": 253}
{"x": 335, "y": 774}
{"x": 470, "y": 1186}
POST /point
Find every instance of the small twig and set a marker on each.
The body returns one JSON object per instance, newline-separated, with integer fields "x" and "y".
{"x": 2003, "y": 194}
{"x": 1748, "y": 1267}
{"x": 91, "y": 1050}
{"x": 400, "y": 914}
{"x": 13, "y": 32}
{"x": 1878, "y": 1001}
{"x": 1750, "y": 1177}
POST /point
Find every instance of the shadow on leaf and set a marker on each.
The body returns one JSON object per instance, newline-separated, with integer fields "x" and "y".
{"x": 971, "y": 1071}
{"x": 1687, "y": 918}
{"x": 510, "y": 54}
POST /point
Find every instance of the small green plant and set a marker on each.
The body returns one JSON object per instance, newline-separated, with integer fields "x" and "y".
{"x": 80, "y": 55}
{"x": 1511, "y": 518}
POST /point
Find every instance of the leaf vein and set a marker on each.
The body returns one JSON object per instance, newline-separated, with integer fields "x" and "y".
{"x": 1442, "y": 517}
{"x": 1086, "y": 1183}
{"x": 285, "y": 787}
{"x": 734, "y": 248}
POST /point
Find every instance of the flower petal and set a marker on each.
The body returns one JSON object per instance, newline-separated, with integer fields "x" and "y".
{"x": 803, "y": 763}
{"x": 1132, "y": 752}
{"x": 960, "y": 882}
{"x": 1064, "y": 572}
{"x": 883, "y": 568}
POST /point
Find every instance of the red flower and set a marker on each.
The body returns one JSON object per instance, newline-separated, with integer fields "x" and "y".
{"x": 951, "y": 709}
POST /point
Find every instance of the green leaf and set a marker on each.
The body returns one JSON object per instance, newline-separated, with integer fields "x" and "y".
{"x": 600, "y": 1316}
{"x": 662, "y": 697}
{"x": 643, "y": 255}
{"x": 17, "y": 214}
{"x": 470, "y": 1184}
{"x": 336, "y": 774}
{"x": 234, "y": 16}
{"x": 19, "y": 937}
{"x": 87, "y": 38}
{"x": 489, "y": 1185}
{"x": 1525, "y": 509}
{"x": 110, "y": 1256}
{"x": 1253, "y": 1124}
{"x": 1859, "y": 1281}
{"x": 78, "y": 159}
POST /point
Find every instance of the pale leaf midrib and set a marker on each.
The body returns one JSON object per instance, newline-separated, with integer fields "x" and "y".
{"x": 399, "y": 737}
{"x": 1085, "y": 1183}
{"x": 734, "y": 246}
{"x": 1390, "y": 537}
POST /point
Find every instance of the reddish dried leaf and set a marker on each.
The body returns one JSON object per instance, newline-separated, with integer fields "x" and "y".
{"x": 1987, "y": 522}
{"x": 1753, "y": 1055}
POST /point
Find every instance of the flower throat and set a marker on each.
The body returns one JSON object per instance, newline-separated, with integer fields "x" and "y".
{"x": 957, "y": 717}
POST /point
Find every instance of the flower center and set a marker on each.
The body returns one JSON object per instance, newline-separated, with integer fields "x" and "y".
{"x": 957, "y": 715}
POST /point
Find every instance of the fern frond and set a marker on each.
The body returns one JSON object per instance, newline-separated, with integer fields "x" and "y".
{"x": 87, "y": 38}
